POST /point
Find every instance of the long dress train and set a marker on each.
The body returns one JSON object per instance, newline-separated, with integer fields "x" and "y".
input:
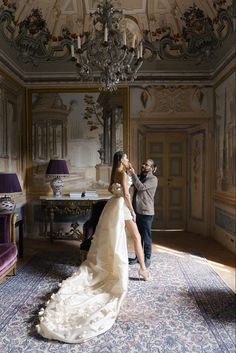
{"x": 88, "y": 302}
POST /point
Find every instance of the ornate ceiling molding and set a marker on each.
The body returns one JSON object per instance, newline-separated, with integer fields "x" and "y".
{"x": 172, "y": 31}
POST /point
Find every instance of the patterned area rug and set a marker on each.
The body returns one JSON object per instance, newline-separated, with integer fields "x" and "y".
{"x": 185, "y": 308}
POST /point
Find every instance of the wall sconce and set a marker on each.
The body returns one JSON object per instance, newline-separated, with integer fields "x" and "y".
{"x": 9, "y": 184}
{"x": 55, "y": 170}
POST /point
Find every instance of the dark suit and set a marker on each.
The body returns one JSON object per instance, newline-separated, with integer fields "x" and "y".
{"x": 143, "y": 203}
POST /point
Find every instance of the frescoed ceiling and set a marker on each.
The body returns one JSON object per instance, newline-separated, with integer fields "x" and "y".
{"x": 178, "y": 35}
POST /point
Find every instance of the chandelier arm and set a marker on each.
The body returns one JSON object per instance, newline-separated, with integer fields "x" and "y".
{"x": 132, "y": 53}
{"x": 82, "y": 64}
{"x": 137, "y": 69}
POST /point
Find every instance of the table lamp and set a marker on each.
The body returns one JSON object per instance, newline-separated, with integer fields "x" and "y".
{"x": 9, "y": 184}
{"x": 55, "y": 170}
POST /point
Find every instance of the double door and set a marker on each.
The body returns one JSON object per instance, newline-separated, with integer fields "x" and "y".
{"x": 169, "y": 151}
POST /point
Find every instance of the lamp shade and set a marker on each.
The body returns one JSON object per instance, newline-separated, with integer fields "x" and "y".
{"x": 57, "y": 167}
{"x": 9, "y": 183}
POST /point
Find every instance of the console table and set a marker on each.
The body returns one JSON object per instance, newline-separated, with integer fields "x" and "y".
{"x": 66, "y": 206}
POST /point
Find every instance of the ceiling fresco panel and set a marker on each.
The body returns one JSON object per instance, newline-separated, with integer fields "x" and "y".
{"x": 182, "y": 34}
{"x": 129, "y": 6}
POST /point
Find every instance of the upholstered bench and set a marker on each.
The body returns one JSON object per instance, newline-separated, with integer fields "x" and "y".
{"x": 8, "y": 248}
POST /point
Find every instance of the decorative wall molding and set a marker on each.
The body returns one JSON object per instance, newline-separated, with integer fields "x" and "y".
{"x": 225, "y": 220}
{"x": 175, "y": 101}
{"x": 227, "y": 199}
{"x": 197, "y": 175}
{"x": 11, "y": 110}
{"x": 225, "y": 135}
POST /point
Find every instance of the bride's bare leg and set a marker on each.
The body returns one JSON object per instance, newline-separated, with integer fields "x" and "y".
{"x": 133, "y": 231}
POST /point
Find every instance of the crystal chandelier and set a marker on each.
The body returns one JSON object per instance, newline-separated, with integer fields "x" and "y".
{"x": 105, "y": 50}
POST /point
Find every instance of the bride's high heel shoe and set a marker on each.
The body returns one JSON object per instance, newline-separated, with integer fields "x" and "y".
{"x": 144, "y": 274}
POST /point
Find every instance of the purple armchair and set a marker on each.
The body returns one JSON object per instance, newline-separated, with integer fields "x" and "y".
{"x": 90, "y": 226}
{"x": 8, "y": 248}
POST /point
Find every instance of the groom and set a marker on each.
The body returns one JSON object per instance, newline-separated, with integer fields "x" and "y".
{"x": 143, "y": 203}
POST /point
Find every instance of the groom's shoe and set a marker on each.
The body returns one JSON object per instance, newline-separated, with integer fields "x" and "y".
{"x": 147, "y": 263}
{"x": 133, "y": 261}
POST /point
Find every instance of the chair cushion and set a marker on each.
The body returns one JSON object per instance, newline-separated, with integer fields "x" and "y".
{"x": 85, "y": 245}
{"x": 8, "y": 255}
{"x": 97, "y": 209}
{"x": 4, "y": 228}
{"x": 90, "y": 226}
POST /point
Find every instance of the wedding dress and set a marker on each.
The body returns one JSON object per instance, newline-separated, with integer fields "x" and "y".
{"x": 88, "y": 302}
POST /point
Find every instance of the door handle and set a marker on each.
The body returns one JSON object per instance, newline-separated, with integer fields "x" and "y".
{"x": 170, "y": 179}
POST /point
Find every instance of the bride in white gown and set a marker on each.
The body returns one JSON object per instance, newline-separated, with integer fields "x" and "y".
{"x": 88, "y": 302}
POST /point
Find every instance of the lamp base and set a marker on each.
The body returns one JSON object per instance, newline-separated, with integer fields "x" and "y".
{"x": 7, "y": 204}
{"x": 57, "y": 185}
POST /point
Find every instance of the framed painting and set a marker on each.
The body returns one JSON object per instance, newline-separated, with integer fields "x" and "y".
{"x": 85, "y": 127}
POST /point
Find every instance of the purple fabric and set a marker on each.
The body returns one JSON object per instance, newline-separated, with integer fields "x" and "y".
{"x": 57, "y": 167}
{"x": 5, "y": 228}
{"x": 9, "y": 183}
{"x": 8, "y": 255}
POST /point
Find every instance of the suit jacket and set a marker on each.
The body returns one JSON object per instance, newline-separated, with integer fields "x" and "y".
{"x": 145, "y": 193}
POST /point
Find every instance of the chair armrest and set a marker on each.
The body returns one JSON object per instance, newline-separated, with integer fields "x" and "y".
{"x": 13, "y": 228}
{"x": 7, "y": 227}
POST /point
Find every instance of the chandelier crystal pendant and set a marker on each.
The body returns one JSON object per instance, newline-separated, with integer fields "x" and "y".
{"x": 105, "y": 51}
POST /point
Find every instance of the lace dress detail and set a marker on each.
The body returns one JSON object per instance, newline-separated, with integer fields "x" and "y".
{"x": 88, "y": 302}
